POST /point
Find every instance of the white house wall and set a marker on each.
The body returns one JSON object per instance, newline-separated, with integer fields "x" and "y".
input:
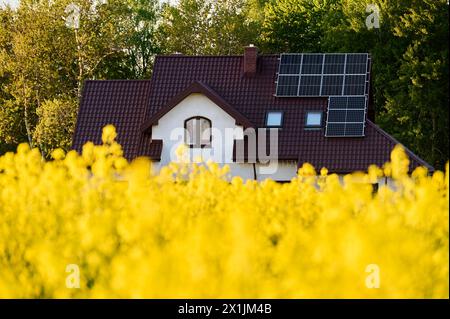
{"x": 170, "y": 129}
{"x": 284, "y": 171}
{"x": 383, "y": 181}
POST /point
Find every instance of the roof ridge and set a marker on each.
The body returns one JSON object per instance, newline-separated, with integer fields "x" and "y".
{"x": 118, "y": 80}
{"x": 209, "y": 56}
{"x": 393, "y": 139}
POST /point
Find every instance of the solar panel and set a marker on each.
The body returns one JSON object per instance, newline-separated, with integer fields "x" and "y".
{"x": 291, "y": 58}
{"x": 346, "y": 116}
{"x": 334, "y": 64}
{"x": 354, "y": 129}
{"x": 342, "y": 77}
{"x": 356, "y": 64}
{"x": 338, "y": 102}
{"x": 312, "y": 64}
{"x": 355, "y": 115}
{"x": 290, "y": 64}
{"x": 288, "y": 85}
{"x": 309, "y": 85}
{"x": 336, "y": 129}
{"x": 332, "y": 84}
{"x": 328, "y": 74}
{"x": 337, "y": 116}
{"x": 356, "y": 102}
{"x": 355, "y": 85}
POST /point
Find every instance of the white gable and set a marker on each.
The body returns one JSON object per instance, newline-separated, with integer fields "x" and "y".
{"x": 170, "y": 129}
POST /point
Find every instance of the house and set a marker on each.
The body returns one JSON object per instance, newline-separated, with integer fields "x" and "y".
{"x": 264, "y": 115}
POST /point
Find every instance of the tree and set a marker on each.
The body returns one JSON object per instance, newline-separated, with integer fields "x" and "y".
{"x": 420, "y": 107}
{"x": 49, "y": 48}
{"x": 184, "y": 27}
{"x": 10, "y": 128}
{"x": 231, "y": 28}
{"x": 195, "y": 27}
{"x": 56, "y": 124}
{"x": 142, "y": 42}
{"x": 295, "y": 25}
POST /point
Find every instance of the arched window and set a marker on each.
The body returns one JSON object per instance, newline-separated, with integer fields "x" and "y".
{"x": 197, "y": 132}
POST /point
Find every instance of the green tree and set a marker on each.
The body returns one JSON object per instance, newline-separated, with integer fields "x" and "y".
{"x": 231, "y": 28}
{"x": 142, "y": 42}
{"x": 417, "y": 100}
{"x": 184, "y": 27}
{"x": 295, "y": 25}
{"x": 196, "y": 27}
{"x": 10, "y": 128}
{"x": 48, "y": 51}
{"x": 56, "y": 124}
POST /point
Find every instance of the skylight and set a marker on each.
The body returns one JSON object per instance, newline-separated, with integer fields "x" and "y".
{"x": 274, "y": 119}
{"x": 313, "y": 119}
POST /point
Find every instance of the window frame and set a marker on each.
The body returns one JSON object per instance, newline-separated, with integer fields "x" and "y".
{"x": 267, "y": 118}
{"x": 195, "y": 145}
{"x": 313, "y": 127}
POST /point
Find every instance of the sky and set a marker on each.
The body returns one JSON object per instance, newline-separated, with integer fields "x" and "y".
{"x": 13, "y": 3}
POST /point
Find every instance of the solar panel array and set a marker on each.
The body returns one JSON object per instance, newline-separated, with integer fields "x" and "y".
{"x": 346, "y": 116}
{"x": 342, "y": 77}
{"x": 312, "y": 74}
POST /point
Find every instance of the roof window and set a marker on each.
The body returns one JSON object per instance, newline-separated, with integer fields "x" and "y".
{"x": 274, "y": 119}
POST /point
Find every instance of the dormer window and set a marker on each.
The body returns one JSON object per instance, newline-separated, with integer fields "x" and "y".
{"x": 313, "y": 119}
{"x": 274, "y": 119}
{"x": 197, "y": 132}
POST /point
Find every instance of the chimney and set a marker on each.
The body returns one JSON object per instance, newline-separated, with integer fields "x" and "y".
{"x": 250, "y": 57}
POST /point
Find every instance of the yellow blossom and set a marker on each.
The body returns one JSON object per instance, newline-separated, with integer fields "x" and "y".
{"x": 192, "y": 231}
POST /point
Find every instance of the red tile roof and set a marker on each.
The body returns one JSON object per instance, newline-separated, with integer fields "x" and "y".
{"x": 121, "y": 103}
{"x": 197, "y": 87}
{"x": 133, "y": 105}
{"x": 154, "y": 150}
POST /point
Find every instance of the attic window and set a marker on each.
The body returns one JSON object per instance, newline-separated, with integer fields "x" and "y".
{"x": 313, "y": 119}
{"x": 198, "y": 132}
{"x": 274, "y": 119}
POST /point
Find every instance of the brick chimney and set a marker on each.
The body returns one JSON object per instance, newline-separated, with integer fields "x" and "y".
{"x": 250, "y": 57}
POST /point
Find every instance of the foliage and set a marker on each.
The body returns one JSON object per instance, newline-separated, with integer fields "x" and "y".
{"x": 43, "y": 58}
{"x": 142, "y": 43}
{"x": 56, "y": 125}
{"x": 184, "y": 27}
{"x": 417, "y": 101}
{"x": 295, "y": 25}
{"x": 199, "y": 27}
{"x": 189, "y": 232}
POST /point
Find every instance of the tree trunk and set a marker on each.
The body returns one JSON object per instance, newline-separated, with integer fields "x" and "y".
{"x": 27, "y": 124}
{"x": 80, "y": 65}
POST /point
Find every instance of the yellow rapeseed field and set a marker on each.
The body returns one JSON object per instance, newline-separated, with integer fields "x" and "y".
{"x": 95, "y": 226}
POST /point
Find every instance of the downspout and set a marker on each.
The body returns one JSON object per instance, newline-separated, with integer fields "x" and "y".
{"x": 254, "y": 172}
